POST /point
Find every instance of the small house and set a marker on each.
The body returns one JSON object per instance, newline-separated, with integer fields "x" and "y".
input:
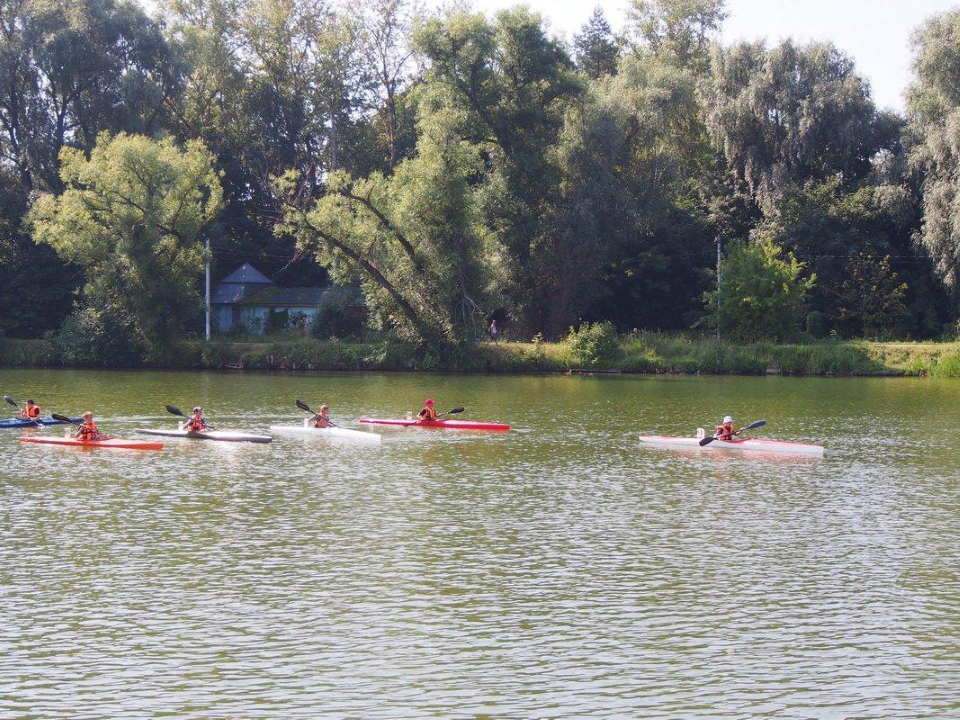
{"x": 249, "y": 299}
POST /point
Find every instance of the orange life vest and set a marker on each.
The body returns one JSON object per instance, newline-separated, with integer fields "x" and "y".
{"x": 31, "y": 413}
{"x": 195, "y": 424}
{"x": 88, "y": 431}
{"x": 428, "y": 414}
{"x": 725, "y": 431}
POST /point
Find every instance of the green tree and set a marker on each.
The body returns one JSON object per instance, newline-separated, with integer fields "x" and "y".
{"x": 411, "y": 239}
{"x": 70, "y": 69}
{"x": 595, "y": 47}
{"x": 131, "y": 216}
{"x": 634, "y": 249}
{"x": 871, "y": 300}
{"x": 761, "y": 293}
{"x": 677, "y": 31}
{"x": 387, "y": 55}
{"x": 791, "y": 114}
{"x": 510, "y": 85}
{"x": 934, "y": 106}
{"x": 827, "y": 225}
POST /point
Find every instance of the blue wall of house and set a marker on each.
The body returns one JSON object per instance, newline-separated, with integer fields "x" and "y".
{"x": 254, "y": 318}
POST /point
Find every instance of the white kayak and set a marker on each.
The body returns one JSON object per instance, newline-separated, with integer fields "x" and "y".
{"x": 221, "y": 435}
{"x": 755, "y": 444}
{"x": 327, "y": 433}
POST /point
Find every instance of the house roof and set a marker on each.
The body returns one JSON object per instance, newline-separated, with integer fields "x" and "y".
{"x": 249, "y": 286}
{"x": 228, "y": 293}
{"x": 247, "y": 273}
{"x": 274, "y": 296}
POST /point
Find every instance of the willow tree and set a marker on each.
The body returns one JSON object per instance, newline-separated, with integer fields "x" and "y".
{"x": 131, "y": 216}
{"x": 790, "y": 114}
{"x": 934, "y": 104}
{"x": 411, "y": 239}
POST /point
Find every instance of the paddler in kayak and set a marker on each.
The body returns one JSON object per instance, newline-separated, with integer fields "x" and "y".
{"x": 321, "y": 419}
{"x": 196, "y": 423}
{"x": 726, "y": 431}
{"x": 428, "y": 414}
{"x": 88, "y": 429}
{"x": 31, "y": 411}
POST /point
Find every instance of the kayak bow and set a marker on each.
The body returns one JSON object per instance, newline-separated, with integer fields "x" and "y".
{"x": 439, "y": 424}
{"x": 221, "y": 435}
{"x": 21, "y": 423}
{"x": 756, "y": 444}
{"x": 113, "y": 443}
{"x": 327, "y": 433}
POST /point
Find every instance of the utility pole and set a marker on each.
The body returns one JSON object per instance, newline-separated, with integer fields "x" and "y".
{"x": 207, "y": 278}
{"x": 719, "y": 296}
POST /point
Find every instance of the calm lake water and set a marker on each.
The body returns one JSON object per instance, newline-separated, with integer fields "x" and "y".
{"x": 555, "y": 571}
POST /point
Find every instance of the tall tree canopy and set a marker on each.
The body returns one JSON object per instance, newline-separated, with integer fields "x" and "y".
{"x": 791, "y": 114}
{"x": 131, "y": 216}
{"x": 935, "y": 121}
{"x": 595, "y": 47}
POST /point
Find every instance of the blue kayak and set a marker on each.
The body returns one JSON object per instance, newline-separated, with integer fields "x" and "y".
{"x": 18, "y": 423}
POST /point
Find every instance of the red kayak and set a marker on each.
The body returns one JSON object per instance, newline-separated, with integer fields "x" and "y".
{"x": 439, "y": 424}
{"x": 115, "y": 443}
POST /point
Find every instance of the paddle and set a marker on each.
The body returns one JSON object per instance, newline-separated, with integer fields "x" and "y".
{"x": 751, "y": 426}
{"x": 65, "y": 419}
{"x": 13, "y": 402}
{"x": 179, "y": 413}
{"x": 303, "y": 406}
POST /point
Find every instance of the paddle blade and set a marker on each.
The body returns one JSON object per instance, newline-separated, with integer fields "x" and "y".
{"x": 454, "y": 411}
{"x": 63, "y": 418}
{"x": 707, "y": 441}
{"x": 11, "y": 401}
{"x": 303, "y": 406}
{"x": 758, "y": 423}
{"x": 175, "y": 411}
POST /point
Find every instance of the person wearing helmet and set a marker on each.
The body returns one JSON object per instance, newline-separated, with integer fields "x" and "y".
{"x": 196, "y": 423}
{"x": 88, "y": 430}
{"x": 726, "y": 431}
{"x": 322, "y": 418}
{"x": 428, "y": 414}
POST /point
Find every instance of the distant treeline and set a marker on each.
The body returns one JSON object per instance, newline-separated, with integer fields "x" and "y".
{"x": 460, "y": 168}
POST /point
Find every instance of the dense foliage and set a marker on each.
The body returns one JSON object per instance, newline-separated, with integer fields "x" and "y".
{"x": 131, "y": 216}
{"x": 457, "y": 167}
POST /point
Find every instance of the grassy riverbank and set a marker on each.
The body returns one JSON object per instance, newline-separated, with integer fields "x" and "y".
{"x": 650, "y": 354}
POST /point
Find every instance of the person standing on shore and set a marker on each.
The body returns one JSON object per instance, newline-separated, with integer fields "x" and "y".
{"x": 494, "y": 331}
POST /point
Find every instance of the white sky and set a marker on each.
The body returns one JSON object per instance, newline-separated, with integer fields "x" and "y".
{"x": 875, "y": 32}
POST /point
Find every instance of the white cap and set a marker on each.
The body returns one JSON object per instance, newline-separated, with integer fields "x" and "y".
{"x": 728, "y": 419}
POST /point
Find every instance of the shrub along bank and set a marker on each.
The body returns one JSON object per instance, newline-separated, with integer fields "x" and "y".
{"x": 594, "y": 353}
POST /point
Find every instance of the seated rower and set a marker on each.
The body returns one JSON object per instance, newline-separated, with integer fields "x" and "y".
{"x": 428, "y": 414}
{"x": 322, "y": 418}
{"x": 31, "y": 411}
{"x": 196, "y": 423}
{"x": 88, "y": 430}
{"x": 726, "y": 431}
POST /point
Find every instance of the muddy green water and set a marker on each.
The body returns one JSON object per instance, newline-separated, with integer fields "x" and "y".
{"x": 558, "y": 570}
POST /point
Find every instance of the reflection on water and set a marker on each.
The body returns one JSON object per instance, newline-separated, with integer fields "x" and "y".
{"x": 558, "y": 570}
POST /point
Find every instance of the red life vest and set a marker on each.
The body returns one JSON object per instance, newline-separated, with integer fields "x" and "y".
{"x": 88, "y": 431}
{"x": 31, "y": 413}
